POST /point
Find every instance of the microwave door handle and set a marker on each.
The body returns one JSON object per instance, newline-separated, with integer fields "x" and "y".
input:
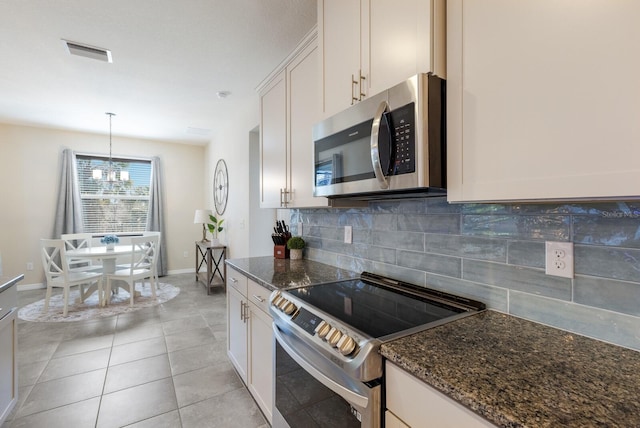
{"x": 375, "y": 149}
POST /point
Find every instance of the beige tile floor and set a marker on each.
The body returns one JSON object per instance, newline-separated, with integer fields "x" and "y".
{"x": 164, "y": 366}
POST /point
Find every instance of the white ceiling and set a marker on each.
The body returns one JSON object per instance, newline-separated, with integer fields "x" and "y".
{"x": 170, "y": 57}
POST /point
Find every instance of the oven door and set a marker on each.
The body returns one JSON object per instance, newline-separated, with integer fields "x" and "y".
{"x": 312, "y": 391}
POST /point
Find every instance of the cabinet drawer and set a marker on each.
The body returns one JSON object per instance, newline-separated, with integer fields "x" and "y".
{"x": 415, "y": 402}
{"x": 237, "y": 280}
{"x": 258, "y": 295}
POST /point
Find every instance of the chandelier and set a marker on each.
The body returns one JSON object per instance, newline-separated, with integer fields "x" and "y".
{"x": 113, "y": 179}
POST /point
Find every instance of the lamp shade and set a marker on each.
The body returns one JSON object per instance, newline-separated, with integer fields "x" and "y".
{"x": 202, "y": 216}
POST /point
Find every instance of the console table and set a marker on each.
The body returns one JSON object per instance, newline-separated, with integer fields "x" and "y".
{"x": 211, "y": 256}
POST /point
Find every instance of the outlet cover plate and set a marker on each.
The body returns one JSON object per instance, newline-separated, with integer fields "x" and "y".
{"x": 559, "y": 259}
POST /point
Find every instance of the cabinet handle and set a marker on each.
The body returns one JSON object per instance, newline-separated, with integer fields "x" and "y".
{"x": 362, "y": 94}
{"x": 354, "y": 82}
{"x": 246, "y": 313}
{"x": 232, "y": 279}
{"x": 241, "y": 310}
{"x": 258, "y": 298}
{"x": 284, "y": 200}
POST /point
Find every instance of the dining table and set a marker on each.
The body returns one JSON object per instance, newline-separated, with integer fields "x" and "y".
{"x": 108, "y": 256}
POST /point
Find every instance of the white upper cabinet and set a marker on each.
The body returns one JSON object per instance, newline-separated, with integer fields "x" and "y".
{"x": 543, "y": 100}
{"x": 370, "y": 45}
{"x": 289, "y": 107}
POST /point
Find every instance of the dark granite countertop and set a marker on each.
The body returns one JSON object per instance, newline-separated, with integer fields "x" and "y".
{"x": 277, "y": 274}
{"x": 518, "y": 373}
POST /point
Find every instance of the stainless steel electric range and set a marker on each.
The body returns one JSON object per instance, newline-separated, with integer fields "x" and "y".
{"x": 328, "y": 366}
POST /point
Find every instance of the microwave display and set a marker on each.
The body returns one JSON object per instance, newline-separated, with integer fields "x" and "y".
{"x": 346, "y": 156}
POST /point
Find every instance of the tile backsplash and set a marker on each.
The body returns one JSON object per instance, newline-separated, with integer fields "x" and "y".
{"x": 495, "y": 253}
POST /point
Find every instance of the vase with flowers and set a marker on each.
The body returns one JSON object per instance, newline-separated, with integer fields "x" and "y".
{"x": 110, "y": 241}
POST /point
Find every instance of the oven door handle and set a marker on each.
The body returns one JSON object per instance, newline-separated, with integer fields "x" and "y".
{"x": 375, "y": 145}
{"x": 288, "y": 343}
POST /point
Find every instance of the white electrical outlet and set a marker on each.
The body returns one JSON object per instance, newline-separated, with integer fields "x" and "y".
{"x": 300, "y": 233}
{"x": 185, "y": 254}
{"x": 559, "y": 259}
{"x": 30, "y": 266}
{"x": 348, "y": 234}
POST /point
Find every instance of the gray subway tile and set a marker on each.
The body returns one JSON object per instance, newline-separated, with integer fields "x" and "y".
{"x": 441, "y": 206}
{"x": 485, "y": 209}
{"x": 378, "y": 254}
{"x": 388, "y": 222}
{"x": 467, "y": 246}
{"x": 608, "y": 231}
{"x": 412, "y": 276}
{"x": 526, "y": 253}
{"x": 608, "y": 262}
{"x": 531, "y": 281}
{"x": 588, "y": 321}
{"x": 430, "y": 223}
{"x": 494, "y": 297}
{"x": 400, "y": 240}
{"x": 357, "y": 220}
{"x": 618, "y": 296}
{"x": 427, "y": 262}
{"x": 547, "y": 227}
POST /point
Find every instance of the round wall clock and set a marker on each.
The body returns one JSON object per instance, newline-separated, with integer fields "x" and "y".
{"x": 220, "y": 186}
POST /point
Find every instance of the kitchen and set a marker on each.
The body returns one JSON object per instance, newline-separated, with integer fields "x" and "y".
{"x": 490, "y": 252}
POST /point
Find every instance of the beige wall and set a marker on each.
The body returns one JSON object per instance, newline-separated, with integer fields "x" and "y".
{"x": 231, "y": 143}
{"x": 29, "y": 175}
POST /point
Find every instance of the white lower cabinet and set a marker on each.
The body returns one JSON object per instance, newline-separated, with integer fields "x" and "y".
{"x": 413, "y": 403}
{"x": 8, "y": 364}
{"x": 250, "y": 337}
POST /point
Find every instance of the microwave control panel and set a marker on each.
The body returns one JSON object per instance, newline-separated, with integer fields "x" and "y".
{"x": 402, "y": 124}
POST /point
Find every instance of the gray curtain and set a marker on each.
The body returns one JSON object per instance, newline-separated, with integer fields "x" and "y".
{"x": 69, "y": 207}
{"x": 155, "y": 217}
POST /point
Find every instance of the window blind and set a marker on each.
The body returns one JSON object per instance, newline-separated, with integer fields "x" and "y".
{"x": 119, "y": 205}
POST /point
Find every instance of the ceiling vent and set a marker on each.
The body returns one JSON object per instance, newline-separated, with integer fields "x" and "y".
{"x": 87, "y": 51}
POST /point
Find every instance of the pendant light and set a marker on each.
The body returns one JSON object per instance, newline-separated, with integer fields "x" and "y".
{"x": 111, "y": 179}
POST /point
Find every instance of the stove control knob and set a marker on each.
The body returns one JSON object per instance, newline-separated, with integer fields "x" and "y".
{"x": 277, "y": 302}
{"x": 275, "y": 297}
{"x": 289, "y": 308}
{"x": 346, "y": 345}
{"x": 283, "y": 302}
{"x": 334, "y": 336}
{"x": 322, "y": 329}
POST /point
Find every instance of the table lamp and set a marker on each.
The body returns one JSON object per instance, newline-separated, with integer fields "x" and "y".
{"x": 202, "y": 216}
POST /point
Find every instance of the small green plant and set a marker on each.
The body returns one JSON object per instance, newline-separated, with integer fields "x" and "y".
{"x": 215, "y": 226}
{"x": 295, "y": 243}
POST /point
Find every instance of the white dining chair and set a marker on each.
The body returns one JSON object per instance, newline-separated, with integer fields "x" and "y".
{"x": 76, "y": 241}
{"x": 56, "y": 269}
{"x": 144, "y": 251}
{"x": 159, "y": 235}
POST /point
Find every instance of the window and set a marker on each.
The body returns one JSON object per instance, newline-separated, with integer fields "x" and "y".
{"x": 115, "y": 206}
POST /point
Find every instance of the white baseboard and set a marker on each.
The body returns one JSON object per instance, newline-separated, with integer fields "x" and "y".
{"x": 26, "y": 287}
{"x": 177, "y": 271}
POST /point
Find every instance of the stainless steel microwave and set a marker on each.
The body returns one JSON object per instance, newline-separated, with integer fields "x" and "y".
{"x": 392, "y": 144}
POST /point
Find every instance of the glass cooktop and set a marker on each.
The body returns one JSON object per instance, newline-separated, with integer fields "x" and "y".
{"x": 377, "y": 310}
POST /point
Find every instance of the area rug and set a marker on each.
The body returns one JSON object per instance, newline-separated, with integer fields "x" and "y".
{"x": 89, "y": 309}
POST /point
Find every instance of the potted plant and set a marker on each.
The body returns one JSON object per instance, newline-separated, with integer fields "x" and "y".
{"x": 110, "y": 241}
{"x": 214, "y": 227}
{"x": 295, "y": 246}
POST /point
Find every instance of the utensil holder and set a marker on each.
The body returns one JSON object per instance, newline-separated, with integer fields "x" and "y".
{"x": 280, "y": 252}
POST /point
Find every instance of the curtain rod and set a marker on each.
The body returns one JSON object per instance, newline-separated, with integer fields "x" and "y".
{"x": 100, "y": 155}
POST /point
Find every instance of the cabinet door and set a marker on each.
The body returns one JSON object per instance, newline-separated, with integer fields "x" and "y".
{"x": 273, "y": 152}
{"x": 304, "y": 111}
{"x": 339, "y": 40}
{"x": 8, "y": 364}
{"x": 405, "y": 37}
{"x": 261, "y": 359}
{"x": 415, "y": 402}
{"x": 237, "y": 332}
{"x": 542, "y": 100}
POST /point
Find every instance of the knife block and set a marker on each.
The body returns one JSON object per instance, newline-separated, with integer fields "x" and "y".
{"x": 280, "y": 252}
